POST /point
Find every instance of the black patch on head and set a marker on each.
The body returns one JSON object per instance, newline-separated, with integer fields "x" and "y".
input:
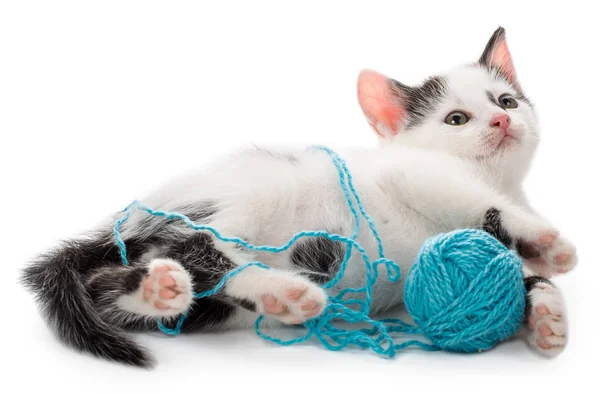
{"x": 278, "y": 156}
{"x": 492, "y": 99}
{"x": 421, "y": 100}
{"x": 318, "y": 258}
{"x": 493, "y": 225}
{"x": 486, "y": 61}
{"x": 498, "y": 75}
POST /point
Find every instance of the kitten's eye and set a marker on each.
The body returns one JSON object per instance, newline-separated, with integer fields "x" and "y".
{"x": 507, "y": 101}
{"x": 456, "y": 118}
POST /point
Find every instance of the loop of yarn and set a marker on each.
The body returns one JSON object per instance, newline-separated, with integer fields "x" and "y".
{"x": 466, "y": 292}
{"x": 463, "y": 292}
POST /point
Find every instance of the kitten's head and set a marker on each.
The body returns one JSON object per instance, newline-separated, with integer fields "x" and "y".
{"x": 476, "y": 111}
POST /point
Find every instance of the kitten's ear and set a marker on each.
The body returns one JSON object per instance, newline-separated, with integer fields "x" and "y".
{"x": 383, "y": 102}
{"x": 497, "y": 55}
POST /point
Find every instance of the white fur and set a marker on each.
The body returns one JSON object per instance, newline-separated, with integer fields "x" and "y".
{"x": 433, "y": 178}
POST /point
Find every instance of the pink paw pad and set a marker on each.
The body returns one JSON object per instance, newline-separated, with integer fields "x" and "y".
{"x": 543, "y": 344}
{"x": 273, "y": 305}
{"x": 295, "y": 305}
{"x": 167, "y": 287}
{"x": 547, "y": 239}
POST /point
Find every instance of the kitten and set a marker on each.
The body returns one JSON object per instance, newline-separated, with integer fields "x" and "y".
{"x": 453, "y": 155}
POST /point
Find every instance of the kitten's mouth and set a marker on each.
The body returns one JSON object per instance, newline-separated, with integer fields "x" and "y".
{"x": 506, "y": 141}
{"x": 499, "y": 144}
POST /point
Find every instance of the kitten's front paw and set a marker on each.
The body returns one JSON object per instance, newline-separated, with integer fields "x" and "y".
{"x": 167, "y": 288}
{"x": 546, "y": 320}
{"x": 547, "y": 253}
{"x": 291, "y": 299}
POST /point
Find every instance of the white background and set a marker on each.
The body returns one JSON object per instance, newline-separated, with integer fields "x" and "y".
{"x": 101, "y": 101}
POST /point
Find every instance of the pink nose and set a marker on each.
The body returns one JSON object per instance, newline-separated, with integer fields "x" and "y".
{"x": 500, "y": 120}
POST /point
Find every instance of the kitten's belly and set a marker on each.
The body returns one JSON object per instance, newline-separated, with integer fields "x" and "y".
{"x": 386, "y": 293}
{"x": 402, "y": 240}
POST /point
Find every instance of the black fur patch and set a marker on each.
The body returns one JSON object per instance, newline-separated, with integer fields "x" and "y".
{"x": 420, "y": 100}
{"x": 76, "y": 284}
{"x": 486, "y": 61}
{"x": 531, "y": 281}
{"x": 119, "y": 280}
{"x": 246, "y": 304}
{"x": 56, "y": 279}
{"x": 198, "y": 256}
{"x": 527, "y": 250}
{"x": 492, "y": 99}
{"x": 500, "y": 76}
{"x": 318, "y": 258}
{"x": 493, "y": 225}
{"x": 207, "y": 314}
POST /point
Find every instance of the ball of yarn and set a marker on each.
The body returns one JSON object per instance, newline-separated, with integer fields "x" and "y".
{"x": 465, "y": 292}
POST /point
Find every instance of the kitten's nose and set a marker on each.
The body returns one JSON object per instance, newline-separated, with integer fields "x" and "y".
{"x": 500, "y": 120}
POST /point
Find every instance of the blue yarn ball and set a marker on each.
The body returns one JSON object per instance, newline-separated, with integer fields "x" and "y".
{"x": 465, "y": 291}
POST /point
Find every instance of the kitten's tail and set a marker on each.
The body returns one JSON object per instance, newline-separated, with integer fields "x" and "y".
{"x": 63, "y": 299}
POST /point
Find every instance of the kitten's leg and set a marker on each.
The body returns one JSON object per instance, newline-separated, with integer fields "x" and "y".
{"x": 460, "y": 201}
{"x": 538, "y": 242}
{"x": 127, "y": 296}
{"x": 546, "y": 319}
{"x": 281, "y": 295}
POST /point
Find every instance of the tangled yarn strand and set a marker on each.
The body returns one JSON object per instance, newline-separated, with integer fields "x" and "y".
{"x": 321, "y": 327}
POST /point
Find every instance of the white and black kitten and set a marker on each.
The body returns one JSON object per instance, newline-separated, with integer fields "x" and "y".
{"x": 453, "y": 155}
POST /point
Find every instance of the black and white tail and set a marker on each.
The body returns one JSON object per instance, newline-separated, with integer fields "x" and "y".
{"x": 56, "y": 279}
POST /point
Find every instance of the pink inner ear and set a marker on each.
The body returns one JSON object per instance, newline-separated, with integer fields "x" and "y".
{"x": 378, "y": 102}
{"x": 501, "y": 58}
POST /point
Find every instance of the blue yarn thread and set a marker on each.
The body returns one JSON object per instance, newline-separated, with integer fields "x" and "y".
{"x": 380, "y": 336}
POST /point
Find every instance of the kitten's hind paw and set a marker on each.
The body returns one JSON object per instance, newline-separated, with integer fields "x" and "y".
{"x": 164, "y": 292}
{"x": 167, "y": 287}
{"x": 291, "y": 299}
